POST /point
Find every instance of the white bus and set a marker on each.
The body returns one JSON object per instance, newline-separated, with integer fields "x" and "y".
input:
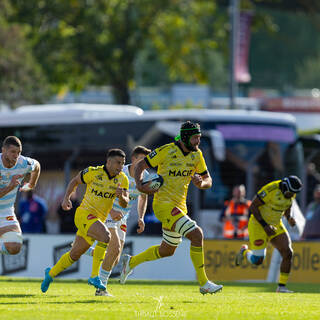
{"x": 240, "y": 147}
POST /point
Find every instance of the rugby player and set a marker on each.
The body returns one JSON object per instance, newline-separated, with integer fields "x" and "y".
{"x": 268, "y": 206}
{"x": 104, "y": 184}
{"x": 13, "y": 170}
{"x": 178, "y": 163}
{"x": 117, "y": 221}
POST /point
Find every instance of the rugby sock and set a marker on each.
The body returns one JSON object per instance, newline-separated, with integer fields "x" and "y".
{"x": 197, "y": 257}
{"x": 98, "y": 256}
{"x": 283, "y": 278}
{"x": 64, "y": 262}
{"x": 104, "y": 276}
{"x": 150, "y": 254}
{"x": 248, "y": 254}
{"x": 3, "y": 249}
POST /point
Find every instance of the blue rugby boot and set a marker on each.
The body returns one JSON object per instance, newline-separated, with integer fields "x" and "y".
{"x": 46, "y": 281}
{"x": 96, "y": 282}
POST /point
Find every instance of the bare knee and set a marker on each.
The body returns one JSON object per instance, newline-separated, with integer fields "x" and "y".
{"x": 75, "y": 255}
{"x": 167, "y": 251}
{"x": 13, "y": 247}
{"x": 196, "y": 237}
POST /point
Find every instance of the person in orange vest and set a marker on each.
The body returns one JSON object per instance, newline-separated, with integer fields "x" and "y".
{"x": 236, "y": 214}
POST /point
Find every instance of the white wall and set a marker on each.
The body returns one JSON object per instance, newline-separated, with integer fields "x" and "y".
{"x": 40, "y": 251}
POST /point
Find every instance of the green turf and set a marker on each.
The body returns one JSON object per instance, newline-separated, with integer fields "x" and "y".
{"x": 72, "y": 300}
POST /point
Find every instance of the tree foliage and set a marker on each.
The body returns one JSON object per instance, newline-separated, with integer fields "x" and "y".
{"x": 21, "y": 78}
{"x": 98, "y": 42}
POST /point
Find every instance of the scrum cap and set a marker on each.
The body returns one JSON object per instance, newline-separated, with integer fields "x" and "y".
{"x": 187, "y": 130}
{"x": 292, "y": 184}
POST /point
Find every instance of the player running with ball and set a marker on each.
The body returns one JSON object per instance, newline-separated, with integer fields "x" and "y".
{"x": 178, "y": 163}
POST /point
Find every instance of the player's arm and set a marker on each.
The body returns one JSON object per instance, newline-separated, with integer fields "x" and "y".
{"x": 123, "y": 196}
{"x": 290, "y": 219}
{"x": 72, "y": 187}
{"x": 254, "y": 209}
{"x": 202, "y": 181}
{"x": 138, "y": 176}
{"x": 142, "y": 207}
{"x": 34, "y": 176}
{"x": 13, "y": 183}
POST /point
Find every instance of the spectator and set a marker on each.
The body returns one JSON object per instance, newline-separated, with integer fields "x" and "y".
{"x": 66, "y": 218}
{"x": 32, "y": 212}
{"x": 312, "y": 226}
{"x": 313, "y": 179}
{"x": 236, "y": 214}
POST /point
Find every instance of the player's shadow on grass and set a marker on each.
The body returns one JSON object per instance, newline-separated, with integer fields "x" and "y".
{"x": 14, "y": 295}
{"x": 82, "y": 301}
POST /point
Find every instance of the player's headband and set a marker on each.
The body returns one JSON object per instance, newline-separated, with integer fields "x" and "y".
{"x": 188, "y": 133}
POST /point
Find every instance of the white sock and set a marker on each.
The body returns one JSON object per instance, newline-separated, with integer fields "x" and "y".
{"x": 104, "y": 276}
{"x": 3, "y": 249}
{"x": 249, "y": 255}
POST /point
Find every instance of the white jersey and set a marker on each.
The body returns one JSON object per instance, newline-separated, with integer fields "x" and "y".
{"x": 23, "y": 166}
{"x": 133, "y": 194}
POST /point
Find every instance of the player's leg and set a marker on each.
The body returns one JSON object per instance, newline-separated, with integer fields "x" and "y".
{"x": 115, "y": 247}
{"x": 171, "y": 239}
{"x": 99, "y": 232}
{"x": 122, "y": 232}
{"x": 10, "y": 238}
{"x": 194, "y": 233}
{"x": 80, "y": 246}
{"x": 258, "y": 240}
{"x": 152, "y": 253}
{"x": 282, "y": 242}
{"x": 110, "y": 257}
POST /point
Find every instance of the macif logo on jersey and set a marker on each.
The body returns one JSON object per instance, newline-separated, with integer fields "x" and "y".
{"x": 179, "y": 173}
{"x": 101, "y": 194}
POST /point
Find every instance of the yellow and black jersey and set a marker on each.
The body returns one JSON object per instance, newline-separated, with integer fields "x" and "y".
{"x": 275, "y": 204}
{"x": 176, "y": 168}
{"x": 101, "y": 190}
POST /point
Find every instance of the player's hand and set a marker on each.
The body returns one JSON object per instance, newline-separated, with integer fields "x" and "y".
{"x": 26, "y": 187}
{"x": 197, "y": 180}
{"x": 144, "y": 188}
{"x": 141, "y": 226}
{"x": 270, "y": 230}
{"x": 120, "y": 192}
{"x": 292, "y": 221}
{"x": 116, "y": 215}
{"x": 15, "y": 181}
{"x": 66, "y": 204}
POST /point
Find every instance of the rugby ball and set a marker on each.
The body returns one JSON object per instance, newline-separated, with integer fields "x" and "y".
{"x": 155, "y": 181}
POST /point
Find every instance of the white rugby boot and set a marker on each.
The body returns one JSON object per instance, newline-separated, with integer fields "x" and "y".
{"x": 239, "y": 255}
{"x": 283, "y": 289}
{"x": 210, "y": 287}
{"x": 126, "y": 270}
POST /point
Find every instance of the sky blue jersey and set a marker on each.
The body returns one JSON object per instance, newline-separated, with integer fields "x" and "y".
{"x": 23, "y": 166}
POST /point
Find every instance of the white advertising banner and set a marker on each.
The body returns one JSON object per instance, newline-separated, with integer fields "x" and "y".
{"x": 42, "y": 251}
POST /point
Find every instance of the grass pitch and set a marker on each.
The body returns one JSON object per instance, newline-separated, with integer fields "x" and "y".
{"x": 70, "y": 300}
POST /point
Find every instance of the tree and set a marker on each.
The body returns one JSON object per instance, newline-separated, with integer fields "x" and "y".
{"x": 98, "y": 42}
{"x": 21, "y": 78}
